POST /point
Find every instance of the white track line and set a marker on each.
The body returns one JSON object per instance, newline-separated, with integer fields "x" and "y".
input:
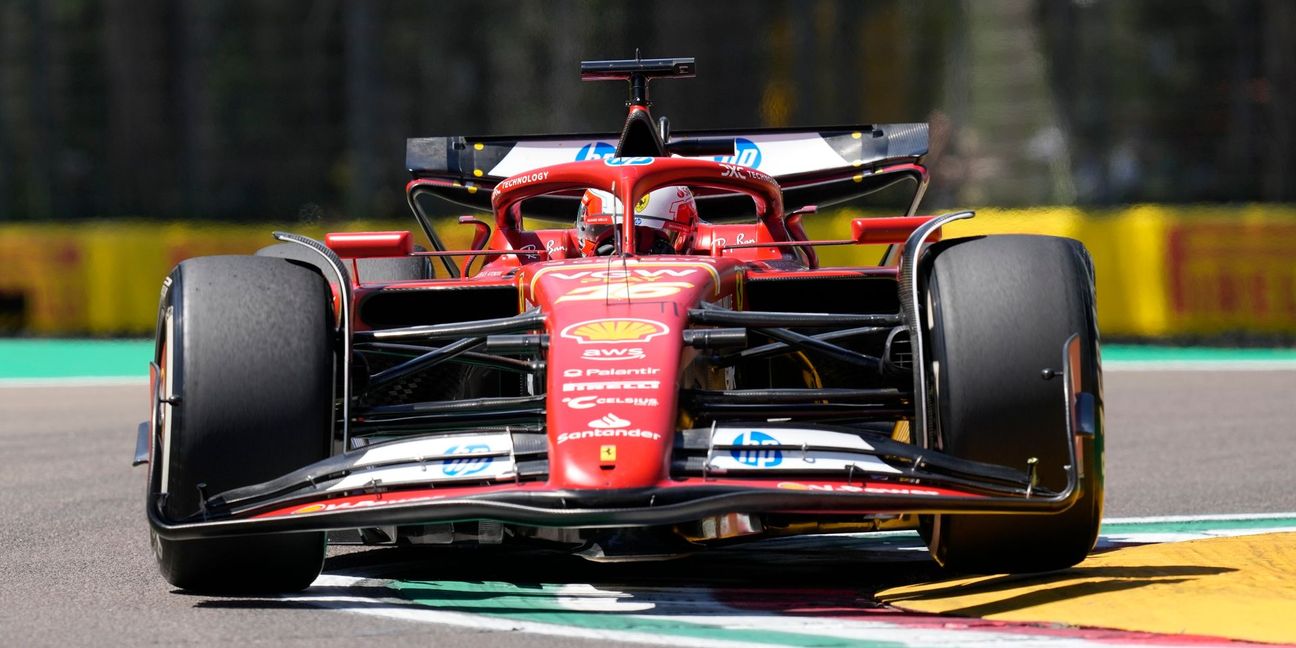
{"x": 703, "y": 611}
{"x": 1200, "y": 365}
{"x": 409, "y": 611}
{"x": 1222, "y": 517}
{"x": 696, "y": 607}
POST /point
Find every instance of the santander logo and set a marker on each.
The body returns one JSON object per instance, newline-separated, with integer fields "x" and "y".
{"x": 609, "y": 422}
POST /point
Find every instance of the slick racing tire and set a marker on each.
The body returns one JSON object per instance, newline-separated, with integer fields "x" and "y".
{"x": 378, "y": 270}
{"x": 1002, "y": 308}
{"x": 245, "y": 354}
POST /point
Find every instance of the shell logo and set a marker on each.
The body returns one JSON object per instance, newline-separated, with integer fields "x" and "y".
{"x": 606, "y": 331}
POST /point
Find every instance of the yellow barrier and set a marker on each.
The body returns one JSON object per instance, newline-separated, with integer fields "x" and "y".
{"x": 1164, "y": 270}
{"x": 1161, "y": 270}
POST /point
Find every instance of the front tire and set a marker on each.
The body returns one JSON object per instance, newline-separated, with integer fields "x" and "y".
{"x": 1002, "y": 308}
{"x": 246, "y": 346}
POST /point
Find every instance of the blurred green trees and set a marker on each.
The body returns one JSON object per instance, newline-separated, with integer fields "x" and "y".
{"x": 258, "y": 109}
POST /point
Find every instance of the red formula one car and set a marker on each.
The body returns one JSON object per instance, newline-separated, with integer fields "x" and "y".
{"x": 675, "y": 370}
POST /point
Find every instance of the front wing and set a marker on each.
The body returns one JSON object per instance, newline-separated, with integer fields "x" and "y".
{"x": 494, "y": 476}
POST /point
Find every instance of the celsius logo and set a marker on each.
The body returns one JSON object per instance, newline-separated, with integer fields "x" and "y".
{"x": 608, "y": 422}
{"x": 589, "y": 402}
{"x": 595, "y": 151}
{"x": 468, "y": 465}
{"x": 746, "y": 153}
{"x": 757, "y": 458}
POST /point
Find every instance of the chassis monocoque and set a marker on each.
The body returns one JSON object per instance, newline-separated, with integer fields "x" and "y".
{"x": 634, "y": 405}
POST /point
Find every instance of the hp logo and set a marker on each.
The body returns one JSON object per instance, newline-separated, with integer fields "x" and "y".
{"x": 627, "y": 161}
{"x": 595, "y": 151}
{"x": 757, "y": 458}
{"x": 746, "y": 153}
{"x": 467, "y": 465}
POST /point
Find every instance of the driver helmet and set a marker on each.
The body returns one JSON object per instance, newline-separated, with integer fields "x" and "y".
{"x": 664, "y": 220}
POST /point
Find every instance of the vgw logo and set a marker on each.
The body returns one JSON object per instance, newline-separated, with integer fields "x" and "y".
{"x": 757, "y": 458}
{"x": 467, "y": 465}
{"x": 746, "y": 153}
{"x": 595, "y": 151}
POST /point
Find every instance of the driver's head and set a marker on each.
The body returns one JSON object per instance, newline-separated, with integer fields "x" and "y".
{"x": 664, "y": 221}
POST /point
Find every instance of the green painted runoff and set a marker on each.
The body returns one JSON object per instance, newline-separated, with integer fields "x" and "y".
{"x": 25, "y": 358}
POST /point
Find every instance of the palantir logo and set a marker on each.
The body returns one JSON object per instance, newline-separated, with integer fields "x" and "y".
{"x": 757, "y": 458}
{"x": 467, "y": 465}
{"x": 595, "y": 151}
{"x": 746, "y": 153}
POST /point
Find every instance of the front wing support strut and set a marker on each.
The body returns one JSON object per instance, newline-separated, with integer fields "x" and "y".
{"x": 344, "y": 328}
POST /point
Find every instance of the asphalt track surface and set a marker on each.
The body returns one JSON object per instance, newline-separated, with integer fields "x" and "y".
{"x": 76, "y": 568}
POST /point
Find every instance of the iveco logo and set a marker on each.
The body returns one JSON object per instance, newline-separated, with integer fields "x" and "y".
{"x": 756, "y": 458}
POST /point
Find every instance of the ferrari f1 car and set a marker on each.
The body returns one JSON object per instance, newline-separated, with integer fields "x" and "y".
{"x": 676, "y": 371}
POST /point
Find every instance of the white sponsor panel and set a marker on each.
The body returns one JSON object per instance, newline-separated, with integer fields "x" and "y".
{"x": 533, "y": 155}
{"x": 611, "y": 385}
{"x": 788, "y": 436}
{"x": 787, "y": 153}
{"x": 779, "y": 154}
{"x": 469, "y": 468}
{"x": 590, "y": 402}
{"x": 432, "y": 447}
{"x": 795, "y": 460}
{"x": 768, "y": 449}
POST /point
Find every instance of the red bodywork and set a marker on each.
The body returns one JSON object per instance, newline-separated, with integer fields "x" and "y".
{"x": 615, "y": 358}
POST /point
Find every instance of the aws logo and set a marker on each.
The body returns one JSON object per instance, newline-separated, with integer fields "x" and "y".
{"x": 615, "y": 353}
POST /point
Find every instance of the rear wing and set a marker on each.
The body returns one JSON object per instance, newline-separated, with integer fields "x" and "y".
{"x": 814, "y": 167}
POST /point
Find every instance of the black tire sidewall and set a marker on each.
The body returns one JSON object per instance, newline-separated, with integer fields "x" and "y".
{"x": 253, "y": 369}
{"x": 1002, "y": 308}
